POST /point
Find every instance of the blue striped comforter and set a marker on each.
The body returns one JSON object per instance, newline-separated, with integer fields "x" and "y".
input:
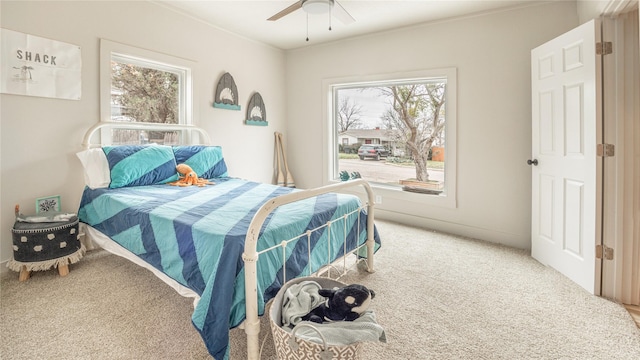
{"x": 196, "y": 236}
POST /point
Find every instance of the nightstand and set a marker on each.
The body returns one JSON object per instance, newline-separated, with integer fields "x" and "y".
{"x": 41, "y": 246}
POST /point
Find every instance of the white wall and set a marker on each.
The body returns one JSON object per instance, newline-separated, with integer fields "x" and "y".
{"x": 492, "y": 56}
{"x": 590, "y": 9}
{"x": 40, "y": 136}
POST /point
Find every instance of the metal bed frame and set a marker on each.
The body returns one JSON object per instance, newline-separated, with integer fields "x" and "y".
{"x": 251, "y": 255}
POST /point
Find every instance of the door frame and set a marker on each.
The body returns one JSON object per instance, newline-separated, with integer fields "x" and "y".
{"x": 621, "y": 177}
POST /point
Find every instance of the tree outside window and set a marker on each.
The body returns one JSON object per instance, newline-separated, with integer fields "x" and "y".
{"x": 144, "y": 94}
{"x": 144, "y": 91}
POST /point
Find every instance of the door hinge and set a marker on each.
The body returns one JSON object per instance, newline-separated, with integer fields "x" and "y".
{"x": 605, "y": 150}
{"x": 604, "y": 48}
{"x": 604, "y": 251}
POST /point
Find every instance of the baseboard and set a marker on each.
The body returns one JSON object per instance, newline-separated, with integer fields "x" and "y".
{"x": 498, "y": 237}
{"x": 634, "y": 311}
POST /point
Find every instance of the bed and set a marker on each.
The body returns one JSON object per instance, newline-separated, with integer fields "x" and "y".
{"x": 231, "y": 245}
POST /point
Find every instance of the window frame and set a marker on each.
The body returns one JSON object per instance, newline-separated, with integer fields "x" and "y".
{"x": 147, "y": 58}
{"x": 330, "y": 135}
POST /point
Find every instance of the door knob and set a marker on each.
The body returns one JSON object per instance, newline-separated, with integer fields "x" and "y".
{"x": 533, "y": 162}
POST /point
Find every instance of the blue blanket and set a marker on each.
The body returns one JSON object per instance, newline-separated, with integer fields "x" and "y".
{"x": 196, "y": 236}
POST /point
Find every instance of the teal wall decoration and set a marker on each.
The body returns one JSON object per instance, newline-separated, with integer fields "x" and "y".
{"x": 256, "y": 113}
{"x": 226, "y": 93}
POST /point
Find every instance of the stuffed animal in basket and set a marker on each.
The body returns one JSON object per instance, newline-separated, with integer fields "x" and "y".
{"x": 189, "y": 177}
{"x": 343, "y": 304}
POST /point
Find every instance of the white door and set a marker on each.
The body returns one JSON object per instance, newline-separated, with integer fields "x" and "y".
{"x": 565, "y": 116}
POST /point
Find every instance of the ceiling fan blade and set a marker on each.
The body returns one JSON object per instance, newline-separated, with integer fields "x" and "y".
{"x": 291, "y": 8}
{"x": 342, "y": 14}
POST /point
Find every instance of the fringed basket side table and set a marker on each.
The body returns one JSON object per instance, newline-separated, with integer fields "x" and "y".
{"x": 45, "y": 245}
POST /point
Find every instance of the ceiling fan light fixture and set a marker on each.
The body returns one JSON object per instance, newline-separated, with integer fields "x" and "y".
{"x": 317, "y": 6}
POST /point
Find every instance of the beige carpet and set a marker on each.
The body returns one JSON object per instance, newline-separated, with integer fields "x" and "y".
{"x": 438, "y": 297}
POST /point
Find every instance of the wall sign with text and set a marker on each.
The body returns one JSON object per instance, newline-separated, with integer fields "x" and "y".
{"x": 35, "y": 66}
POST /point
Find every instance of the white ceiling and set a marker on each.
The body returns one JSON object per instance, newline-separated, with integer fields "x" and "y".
{"x": 249, "y": 18}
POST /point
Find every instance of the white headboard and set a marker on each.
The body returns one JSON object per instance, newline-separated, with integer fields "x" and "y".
{"x": 189, "y": 130}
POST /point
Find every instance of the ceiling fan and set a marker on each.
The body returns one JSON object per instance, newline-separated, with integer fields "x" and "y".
{"x": 317, "y": 7}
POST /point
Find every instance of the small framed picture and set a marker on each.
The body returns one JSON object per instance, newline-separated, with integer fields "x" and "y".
{"x": 45, "y": 204}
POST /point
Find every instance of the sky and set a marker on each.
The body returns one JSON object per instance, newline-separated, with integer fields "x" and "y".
{"x": 372, "y": 104}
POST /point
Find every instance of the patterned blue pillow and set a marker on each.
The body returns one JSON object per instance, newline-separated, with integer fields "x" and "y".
{"x": 138, "y": 165}
{"x": 206, "y": 161}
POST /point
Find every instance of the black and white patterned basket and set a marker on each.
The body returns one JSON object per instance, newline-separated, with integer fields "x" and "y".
{"x": 41, "y": 246}
{"x": 290, "y": 347}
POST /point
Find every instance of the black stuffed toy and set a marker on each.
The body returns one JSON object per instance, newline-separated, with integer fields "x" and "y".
{"x": 343, "y": 304}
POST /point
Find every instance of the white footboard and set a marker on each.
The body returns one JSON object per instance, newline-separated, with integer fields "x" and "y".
{"x": 250, "y": 255}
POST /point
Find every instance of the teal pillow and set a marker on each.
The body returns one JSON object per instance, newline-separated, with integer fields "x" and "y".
{"x": 206, "y": 161}
{"x": 139, "y": 165}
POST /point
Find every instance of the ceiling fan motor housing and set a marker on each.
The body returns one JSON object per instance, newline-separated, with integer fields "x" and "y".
{"x": 317, "y": 6}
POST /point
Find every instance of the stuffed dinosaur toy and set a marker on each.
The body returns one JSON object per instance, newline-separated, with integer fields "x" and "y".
{"x": 342, "y": 304}
{"x": 189, "y": 177}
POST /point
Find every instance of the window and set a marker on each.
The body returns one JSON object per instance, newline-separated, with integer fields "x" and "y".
{"x": 143, "y": 86}
{"x": 397, "y": 132}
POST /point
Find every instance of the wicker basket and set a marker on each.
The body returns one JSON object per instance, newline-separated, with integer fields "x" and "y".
{"x": 290, "y": 347}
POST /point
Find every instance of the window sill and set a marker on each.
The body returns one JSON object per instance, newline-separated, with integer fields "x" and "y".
{"x": 385, "y": 193}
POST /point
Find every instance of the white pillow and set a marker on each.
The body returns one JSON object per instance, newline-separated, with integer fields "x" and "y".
{"x": 96, "y": 168}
